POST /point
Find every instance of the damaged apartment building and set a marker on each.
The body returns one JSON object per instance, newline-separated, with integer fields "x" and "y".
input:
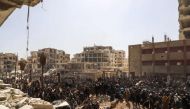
{"x": 95, "y": 61}
{"x": 8, "y": 62}
{"x": 160, "y": 58}
{"x": 164, "y": 58}
{"x": 55, "y": 59}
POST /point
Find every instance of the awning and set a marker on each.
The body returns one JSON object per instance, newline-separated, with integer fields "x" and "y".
{"x": 8, "y": 6}
{"x": 4, "y": 14}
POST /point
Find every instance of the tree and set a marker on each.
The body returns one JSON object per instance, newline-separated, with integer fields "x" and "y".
{"x": 42, "y": 62}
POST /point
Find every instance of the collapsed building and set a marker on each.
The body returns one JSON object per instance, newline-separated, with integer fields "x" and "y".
{"x": 97, "y": 61}
{"x": 11, "y": 98}
{"x": 8, "y": 62}
{"x": 55, "y": 59}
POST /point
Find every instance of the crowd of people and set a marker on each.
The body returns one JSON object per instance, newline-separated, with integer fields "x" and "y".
{"x": 150, "y": 93}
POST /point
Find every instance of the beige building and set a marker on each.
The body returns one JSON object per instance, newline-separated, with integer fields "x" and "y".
{"x": 8, "y": 62}
{"x": 101, "y": 57}
{"x": 96, "y": 61}
{"x": 184, "y": 19}
{"x": 160, "y": 58}
{"x": 164, "y": 58}
{"x": 62, "y": 59}
{"x": 54, "y": 59}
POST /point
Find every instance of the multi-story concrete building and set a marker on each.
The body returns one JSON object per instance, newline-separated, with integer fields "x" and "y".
{"x": 101, "y": 57}
{"x": 161, "y": 58}
{"x": 54, "y": 59}
{"x": 97, "y": 61}
{"x": 33, "y": 61}
{"x": 184, "y": 19}
{"x": 120, "y": 59}
{"x": 8, "y": 61}
{"x": 164, "y": 58}
{"x": 62, "y": 59}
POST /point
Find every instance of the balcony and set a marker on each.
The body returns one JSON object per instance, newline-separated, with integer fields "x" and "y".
{"x": 185, "y": 2}
{"x": 147, "y": 57}
{"x": 186, "y": 32}
{"x": 147, "y": 69}
{"x": 160, "y": 69}
{"x": 185, "y": 10}
{"x": 176, "y": 56}
{"x": 161, "y": 56}
{"x": 185, "y": 21}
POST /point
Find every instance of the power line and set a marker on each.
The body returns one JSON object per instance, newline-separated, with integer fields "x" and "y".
{"x": 28, "y": 31}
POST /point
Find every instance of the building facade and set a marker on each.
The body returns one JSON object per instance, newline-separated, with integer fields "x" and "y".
{"x": 164, "y": 58}
{"x": 101, "y": 57}
{"x": 55, "y": 59}
{"x": 98, "y": 61}
{"x": 184, "y": 19}
{"x": 8, "y": 61}
{"x": 161, "y": 58}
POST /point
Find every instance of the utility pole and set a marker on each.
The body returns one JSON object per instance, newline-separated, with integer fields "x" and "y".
{"x": 6, "y": 73}
{"x": 16, "y": 66}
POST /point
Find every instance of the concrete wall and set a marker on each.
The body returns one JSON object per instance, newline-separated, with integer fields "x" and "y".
{"x": 177, "y": 69}
{"x": 147, "y": 69}
{"x": 161, "y": 56}
{"x": 135, "y": 59}
{"x": 160, "y": 45}
{"x": 147, "y": 46}
{"x": 176, "y": 43}
{"x": 147, "y": 57}
{"x": 187, "y": 42}
{"x": 176, "y": 56}
{"x": 161, "y": 69}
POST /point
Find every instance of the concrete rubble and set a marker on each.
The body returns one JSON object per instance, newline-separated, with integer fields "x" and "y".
{"x": 11, "y": 98}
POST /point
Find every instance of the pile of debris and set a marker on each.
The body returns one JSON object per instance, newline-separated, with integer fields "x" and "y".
{"x": 11, "y": 98}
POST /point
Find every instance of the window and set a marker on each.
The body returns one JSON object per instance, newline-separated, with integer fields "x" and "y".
{"x": 147, "y": 62}
{"x": 188, "y": 48}
{"x": 161, "y": 63}
{"x": 147, "y": 51}
{"x": 160, "y": 50}
{"x": 176, "y": 49}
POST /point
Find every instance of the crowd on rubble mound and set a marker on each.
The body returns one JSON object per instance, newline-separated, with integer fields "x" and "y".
{"x": 151, "y": 93}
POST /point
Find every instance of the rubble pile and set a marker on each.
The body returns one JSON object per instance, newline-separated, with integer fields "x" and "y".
{"x": 11, "y": 98}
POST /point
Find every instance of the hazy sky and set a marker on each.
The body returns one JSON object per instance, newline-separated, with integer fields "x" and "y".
{"x": 72, "y": 24}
